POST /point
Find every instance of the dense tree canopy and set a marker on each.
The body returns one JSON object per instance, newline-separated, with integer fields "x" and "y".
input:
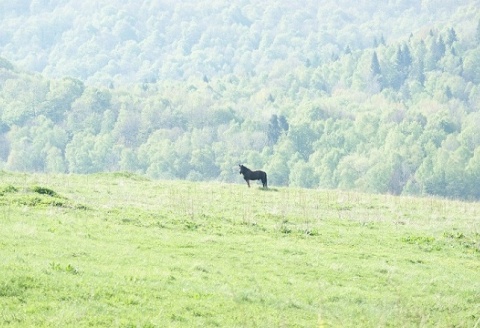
{"x": 371, "y": 97}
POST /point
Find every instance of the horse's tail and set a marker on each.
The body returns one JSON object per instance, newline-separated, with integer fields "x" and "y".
{"x": 264, "y": 180}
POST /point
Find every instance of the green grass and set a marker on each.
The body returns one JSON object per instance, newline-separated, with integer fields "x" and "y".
{"x": 119, "y": 250}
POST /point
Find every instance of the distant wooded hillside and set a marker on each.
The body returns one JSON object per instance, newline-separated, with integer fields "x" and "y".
{"x": 373, "y": 97}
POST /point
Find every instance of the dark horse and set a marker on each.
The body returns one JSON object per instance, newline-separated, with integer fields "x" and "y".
{"x": 253, "y": 175}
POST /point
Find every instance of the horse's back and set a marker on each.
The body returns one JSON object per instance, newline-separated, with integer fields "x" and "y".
{"x": 259, "y": 174}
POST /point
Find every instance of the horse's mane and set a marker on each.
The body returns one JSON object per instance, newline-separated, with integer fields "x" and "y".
{"x": 245, "y": 168}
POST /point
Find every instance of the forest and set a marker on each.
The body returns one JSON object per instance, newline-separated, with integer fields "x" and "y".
{"x": 355, "y": 95}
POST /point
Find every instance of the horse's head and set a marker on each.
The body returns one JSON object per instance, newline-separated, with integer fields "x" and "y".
{"x": 242, "y": 168}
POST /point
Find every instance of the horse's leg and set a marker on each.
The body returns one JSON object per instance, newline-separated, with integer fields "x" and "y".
{"x": 248, "y": 183}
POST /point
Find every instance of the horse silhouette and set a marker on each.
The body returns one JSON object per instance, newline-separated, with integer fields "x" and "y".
{"x": 249, "y": 175}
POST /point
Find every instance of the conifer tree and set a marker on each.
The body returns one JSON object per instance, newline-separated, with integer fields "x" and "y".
{"x": 375, "y": 77}
{"x": 282, "y": 123}
{"x": 274, "y": 130}
{"x": 439, "y": 49}
{"x": 451, "y": 37}
{"x": 375, "y": 65}
{"x": 477, "y": 36}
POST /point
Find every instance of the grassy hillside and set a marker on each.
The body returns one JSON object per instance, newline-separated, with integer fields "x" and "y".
{"x": 120, "y": 250}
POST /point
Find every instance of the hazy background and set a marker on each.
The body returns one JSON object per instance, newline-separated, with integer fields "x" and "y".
{"x": 372, "y": 96}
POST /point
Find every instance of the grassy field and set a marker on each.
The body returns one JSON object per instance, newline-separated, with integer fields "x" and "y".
{"x": 119, "y": 250}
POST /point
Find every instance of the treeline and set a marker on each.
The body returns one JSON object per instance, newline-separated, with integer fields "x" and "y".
{"x": 395, "y": 117}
